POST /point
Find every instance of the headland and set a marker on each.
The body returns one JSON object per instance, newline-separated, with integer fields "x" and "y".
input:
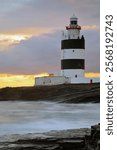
{"x": 66, "y": 93}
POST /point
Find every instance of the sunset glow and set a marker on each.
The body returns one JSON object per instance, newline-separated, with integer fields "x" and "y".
{"x": 12, "y": 39}
{"x": 43, "y": 74}
{"x": 9, "y": 80}
{"x": 92, "y": 75}
{"x": 16, "y": 36}
{"x": 89, "y": 27}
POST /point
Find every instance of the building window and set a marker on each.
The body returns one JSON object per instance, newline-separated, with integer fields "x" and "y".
{"x": 73, "y": 50}
{"x": 76, "y": 76}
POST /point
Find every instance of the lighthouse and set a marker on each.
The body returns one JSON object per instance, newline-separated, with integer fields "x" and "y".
{"x": 72, "y": 59}
{"x": 73, "y": 52}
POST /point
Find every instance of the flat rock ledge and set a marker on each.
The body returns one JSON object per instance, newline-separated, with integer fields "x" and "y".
{"x": 76, "y": 139}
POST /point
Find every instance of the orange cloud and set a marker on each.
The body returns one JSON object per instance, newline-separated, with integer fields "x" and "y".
{"x": 15, "y": 36}
{"x": 6, "y": 39}
{"x": 42, "y": 74}
{"x": 16, "y": 80}
{"x": 29, "y": 31}
{"x": 32, "y": 31}
{"x": 92, "y": 75}
{"x": 89, "y": 27}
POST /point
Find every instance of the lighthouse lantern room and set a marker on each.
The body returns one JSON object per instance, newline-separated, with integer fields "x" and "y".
{"x": 73, "y": 52}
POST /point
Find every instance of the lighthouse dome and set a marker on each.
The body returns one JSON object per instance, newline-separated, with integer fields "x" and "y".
{"x": 73, "y": 17}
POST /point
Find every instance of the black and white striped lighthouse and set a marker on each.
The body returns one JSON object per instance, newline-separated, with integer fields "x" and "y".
{"x": 73, "y": 52}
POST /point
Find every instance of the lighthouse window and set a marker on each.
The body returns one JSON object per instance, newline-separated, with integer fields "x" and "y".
{"x": 76, "y": 76}
{"x": 73, "y": 50}
{"x": 74, "y": 22}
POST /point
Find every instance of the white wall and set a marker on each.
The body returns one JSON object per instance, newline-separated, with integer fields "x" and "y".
{"x": 54, "y": 80}
{"x": 84, "y": 80}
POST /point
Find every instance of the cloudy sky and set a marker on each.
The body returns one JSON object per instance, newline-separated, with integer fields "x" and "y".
{"x": 30, "y": 34}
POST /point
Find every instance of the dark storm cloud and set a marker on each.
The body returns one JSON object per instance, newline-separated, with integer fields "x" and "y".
{"x": 92, "y": 50}
{"x": 46, "y": 13}
{"x": 38, "y": 54}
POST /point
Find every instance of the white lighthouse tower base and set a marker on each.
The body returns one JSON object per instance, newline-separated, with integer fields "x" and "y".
{"x": 74, "y": 78}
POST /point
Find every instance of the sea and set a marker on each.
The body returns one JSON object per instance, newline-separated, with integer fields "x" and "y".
{"x": 21, "y": 117}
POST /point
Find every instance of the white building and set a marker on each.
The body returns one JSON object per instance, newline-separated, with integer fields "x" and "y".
{"x": 52, "y": 80}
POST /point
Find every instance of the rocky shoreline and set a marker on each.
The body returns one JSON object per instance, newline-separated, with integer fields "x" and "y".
{"x": 68, "y": 93}
{"x": 73, "y": 139}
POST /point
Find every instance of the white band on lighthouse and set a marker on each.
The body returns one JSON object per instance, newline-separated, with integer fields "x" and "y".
{"x": 73, "y": 54}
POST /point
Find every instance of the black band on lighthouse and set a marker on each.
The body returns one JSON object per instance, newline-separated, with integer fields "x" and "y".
{"x": 73, "y": 43}
{"x": 73, "y": 64}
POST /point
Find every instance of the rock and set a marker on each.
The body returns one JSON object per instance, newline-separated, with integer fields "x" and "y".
{"x": 76, "y": 139}
{"x": 72, "y": 144}
{"x": 93, "y": 141}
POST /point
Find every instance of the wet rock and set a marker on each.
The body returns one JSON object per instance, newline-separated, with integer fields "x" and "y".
{"x": 76, "y": 139}
{"x": 72, "y": 144}
{"x": 92, "y": 141}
